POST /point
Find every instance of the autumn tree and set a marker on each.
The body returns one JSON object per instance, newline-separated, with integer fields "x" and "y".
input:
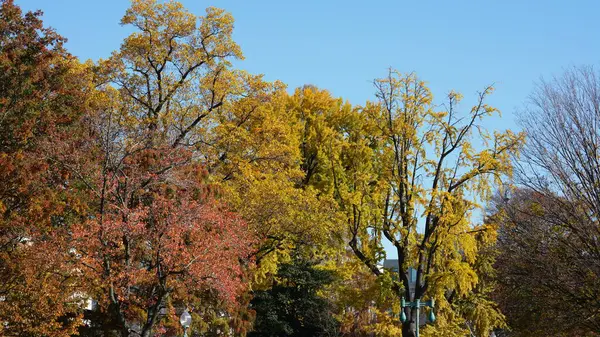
{"x": 549, "y": 248}
{"x": 358, "y": 295}
{"x": 437, "y": 165}
{"x": 253, "y": 152}
{"x": 156, "y": 236}
{"x": 177, "y": 81}
{"x": 43, "y": 91}
{"x": 157, "y": 177}
{"x": 362, "y": 300}
{"x": 404, "y": 172}
{"x": 536, "y": 270}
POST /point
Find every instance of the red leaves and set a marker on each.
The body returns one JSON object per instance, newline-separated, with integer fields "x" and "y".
{"x": 158, "y": 233}
{"x": 98, "y": 200}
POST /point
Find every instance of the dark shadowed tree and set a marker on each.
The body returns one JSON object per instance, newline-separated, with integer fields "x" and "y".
{"x": 546, "y": 284}
{"x": 293, "y": 307}
{"x": 549, "y": 265}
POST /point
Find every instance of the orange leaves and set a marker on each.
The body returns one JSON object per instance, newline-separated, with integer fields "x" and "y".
{"x": 158, "y": 228}
{"x": 41, "y": 99}
{"x": 156, "y": 236}
{"x": 118, "y": 206}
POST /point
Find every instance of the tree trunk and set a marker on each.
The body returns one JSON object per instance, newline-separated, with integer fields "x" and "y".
{"x": 408, "y": 328}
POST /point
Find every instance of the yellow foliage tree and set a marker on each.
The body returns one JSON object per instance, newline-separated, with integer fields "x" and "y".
{"x": 253, "y": 152}
{"x": 400, "y": 169}
{"x": 174, "y": 76}
{"x": 156, "y": 98}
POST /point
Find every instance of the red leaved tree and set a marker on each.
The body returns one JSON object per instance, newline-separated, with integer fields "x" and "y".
{"x": 156, "y": 240}
{"x": 156, "y": 235}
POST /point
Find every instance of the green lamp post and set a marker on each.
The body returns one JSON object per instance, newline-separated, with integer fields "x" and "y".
{"x": 418, "y": 305}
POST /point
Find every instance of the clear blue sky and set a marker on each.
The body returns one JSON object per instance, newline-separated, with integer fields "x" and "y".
{"x": 343, "y": 45}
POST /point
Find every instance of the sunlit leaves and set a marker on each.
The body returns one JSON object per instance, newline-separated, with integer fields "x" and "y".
{"x": 413, "y": 173}
{"x": 42, "y": 95}
{"x": 156, "y": 236}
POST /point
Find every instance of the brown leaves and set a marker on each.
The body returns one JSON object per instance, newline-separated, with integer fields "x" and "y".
{"x": 42, "y": 93}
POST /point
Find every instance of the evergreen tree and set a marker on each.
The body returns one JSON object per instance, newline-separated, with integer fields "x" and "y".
{"x": 293, "y": 306}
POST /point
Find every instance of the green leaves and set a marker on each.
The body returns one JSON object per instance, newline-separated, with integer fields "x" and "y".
{"x": 292, "y": 306}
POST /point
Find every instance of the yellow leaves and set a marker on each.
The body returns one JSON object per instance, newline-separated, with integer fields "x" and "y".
{"x": 218, "y": 23}
{"x": 309, "y": 171}
{"x": 166, "y": 18}
{"x": 490, "y": 110}
{"x": 276, "y": 208}
{"x": 455, "y": 97}
{"x": 447, "y": 326}
{"x": 174, "y": 70}
{"x": 253, "y": 149}
{"x": 489, "y": 90}
{"x": 286, "y": 218}
{"x": 417, "y": 176}
{"x": 166, "y": 31}
{"x": 464, "y": 277}
{"x": 486, "y": 316}
{"x": 268, "y": 267}
{"x": 384, "y": 325}
{"x": 253, "y": 136}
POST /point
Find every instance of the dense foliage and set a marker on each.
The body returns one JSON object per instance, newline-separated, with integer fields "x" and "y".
{"x": 292, "y": 306}
{"x": 42, "y": 96}
{"x": 163, "y": 178}
{"x": 397, "y": 163}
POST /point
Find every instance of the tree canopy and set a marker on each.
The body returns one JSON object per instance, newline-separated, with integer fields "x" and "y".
{"x": 292, "y": 306}
{"x": 166, "y": 178}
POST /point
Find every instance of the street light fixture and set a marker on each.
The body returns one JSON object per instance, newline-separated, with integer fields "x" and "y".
{"x": 186, "y": 320}
{"x": 417, "y": 304}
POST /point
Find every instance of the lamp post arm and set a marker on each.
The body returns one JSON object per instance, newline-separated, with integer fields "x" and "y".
{"x": 417, "y": 304}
